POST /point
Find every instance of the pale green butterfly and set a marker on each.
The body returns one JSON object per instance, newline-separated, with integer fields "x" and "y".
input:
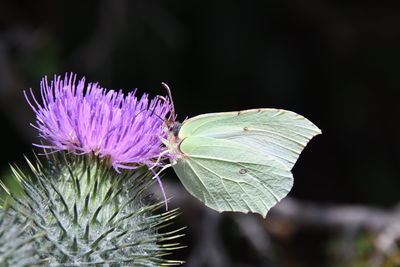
{"x": 238, "y": 161}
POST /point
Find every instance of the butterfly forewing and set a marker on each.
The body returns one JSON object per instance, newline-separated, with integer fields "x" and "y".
{"x": 278, "y": 133}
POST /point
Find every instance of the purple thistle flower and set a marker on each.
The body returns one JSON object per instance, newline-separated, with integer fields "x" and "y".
{"x": 85, "y": 118}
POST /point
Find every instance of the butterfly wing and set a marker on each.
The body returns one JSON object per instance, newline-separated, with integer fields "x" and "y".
{"x": 228, "y": 176}
{"x": 279, "y": 133}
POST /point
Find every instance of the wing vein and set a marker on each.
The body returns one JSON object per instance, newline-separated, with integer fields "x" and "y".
{"x": 202, "y": 183}
{"x": 240, "y": 184}
{"x": 221, "y": 177}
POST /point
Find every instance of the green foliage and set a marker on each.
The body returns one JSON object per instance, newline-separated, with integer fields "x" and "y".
{"x": 90, "y": 215}
{"x": 362, "y": 252}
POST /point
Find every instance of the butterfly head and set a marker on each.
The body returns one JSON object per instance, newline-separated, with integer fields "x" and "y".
{"x": 174, "y": 130}
{"x": 172, "y": 127}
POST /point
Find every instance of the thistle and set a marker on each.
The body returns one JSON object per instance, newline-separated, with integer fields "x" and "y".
{"x": 18, "y": 240}
{"x": 88, "y": 197}
{"x": 90, "y": 214}
{"x": 88, "y": 119}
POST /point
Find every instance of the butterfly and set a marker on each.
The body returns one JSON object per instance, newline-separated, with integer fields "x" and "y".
{"x": 238, "y": 161}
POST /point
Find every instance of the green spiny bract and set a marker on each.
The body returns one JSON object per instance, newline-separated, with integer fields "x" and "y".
{"x": 90, "y": 215}
{"x": 17, "y": 241}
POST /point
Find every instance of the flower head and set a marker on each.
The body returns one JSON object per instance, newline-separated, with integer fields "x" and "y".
{"x": 85, "y": 118}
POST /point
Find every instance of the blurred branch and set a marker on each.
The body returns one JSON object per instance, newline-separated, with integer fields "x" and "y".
{"x": 291, "y": 215}
{"x": 350, "y": 219}
{"x": 308, "y": 214}
{"x": 209, "y": 250}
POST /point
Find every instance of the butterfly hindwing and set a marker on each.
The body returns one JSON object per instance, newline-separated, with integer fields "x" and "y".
{"x": 228, "y": 176}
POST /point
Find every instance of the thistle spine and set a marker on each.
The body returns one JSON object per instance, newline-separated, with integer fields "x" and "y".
{"x": 87, "y": 214}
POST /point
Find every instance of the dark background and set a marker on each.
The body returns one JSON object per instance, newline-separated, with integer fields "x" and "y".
{"x": 335, "y": 62}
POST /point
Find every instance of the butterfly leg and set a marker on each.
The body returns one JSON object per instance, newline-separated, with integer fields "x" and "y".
{"x": 163, "y": 169}
{"x": 159, "y": 159}
{"x": 161, "y": 187}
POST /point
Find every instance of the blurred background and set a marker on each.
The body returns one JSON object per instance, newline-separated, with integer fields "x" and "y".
{"x": 335, "y": 62}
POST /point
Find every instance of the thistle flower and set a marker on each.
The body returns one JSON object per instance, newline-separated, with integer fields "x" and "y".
{"x": 86, "y": 119}
{"x": 74, "y": 211}
{"x": 77, "y": 210}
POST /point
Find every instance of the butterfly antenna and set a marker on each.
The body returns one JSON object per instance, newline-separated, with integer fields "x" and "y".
{"x": 152, "y": 113}
{"x": 153, "y": 110}
{"x": 170, "y": 97}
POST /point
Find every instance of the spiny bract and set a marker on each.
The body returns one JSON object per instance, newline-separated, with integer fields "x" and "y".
{"x": 18, "y": 240}
{"x": 90, "y": 215}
